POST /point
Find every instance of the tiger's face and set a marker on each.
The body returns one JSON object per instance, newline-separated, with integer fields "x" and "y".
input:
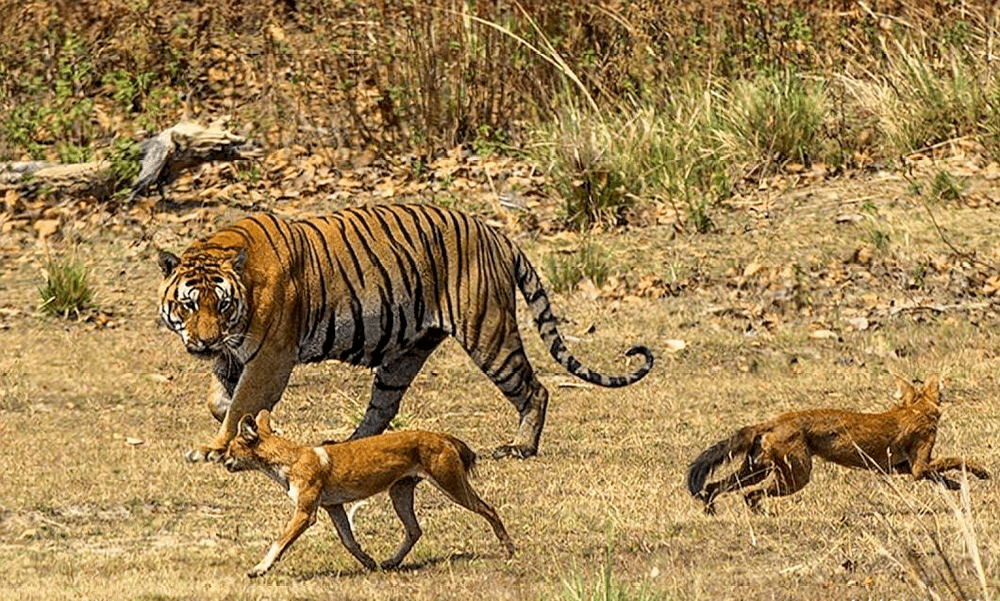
{"x": 203, "y": 299}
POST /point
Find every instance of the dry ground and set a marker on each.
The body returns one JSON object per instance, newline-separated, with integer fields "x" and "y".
{"x": 803, "y": 298}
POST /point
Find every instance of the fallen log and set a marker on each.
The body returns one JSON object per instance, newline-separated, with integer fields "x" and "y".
{"x": 161, "y": 159}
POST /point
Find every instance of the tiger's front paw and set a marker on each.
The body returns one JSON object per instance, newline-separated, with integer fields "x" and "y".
{"x": 205, "y": 454}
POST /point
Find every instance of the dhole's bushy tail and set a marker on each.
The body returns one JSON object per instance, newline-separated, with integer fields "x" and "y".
{"x": 721, "y": 452}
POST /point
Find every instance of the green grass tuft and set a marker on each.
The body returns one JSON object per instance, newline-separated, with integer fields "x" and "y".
{"x": 565, "y": 271}
{"x": 66, "y": 290}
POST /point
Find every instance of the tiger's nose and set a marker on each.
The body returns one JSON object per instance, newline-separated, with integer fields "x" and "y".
{"x": 203, "y": 347}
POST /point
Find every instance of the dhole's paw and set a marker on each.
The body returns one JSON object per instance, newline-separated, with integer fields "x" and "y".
{"x": 205, "y": 455}
{"x": 950, "y": 484}
{"x": 257, "y": 572}
{"x": 707, "y": 499}
{"x": 516, "y": 451}
{"x": 756, "y": 509}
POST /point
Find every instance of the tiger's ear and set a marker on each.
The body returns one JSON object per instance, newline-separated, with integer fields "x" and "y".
{"x": 239, "y": 261}
{"x": 168, "y": 262}
{"x": 248, "y": 429}
{"x": 264, "y": 421}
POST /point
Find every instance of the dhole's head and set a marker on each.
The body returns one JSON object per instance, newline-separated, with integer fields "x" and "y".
{"x": 203, "y": 299}
{"x": 908, "y": 395}
{"x": 243, "y": 451}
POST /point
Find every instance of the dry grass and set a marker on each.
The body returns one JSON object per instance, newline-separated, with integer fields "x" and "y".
{"x": 98, "y": 503}
{"x": 95, "y": 414}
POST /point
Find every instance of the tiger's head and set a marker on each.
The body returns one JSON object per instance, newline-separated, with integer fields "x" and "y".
{"x": 203, "y": 298}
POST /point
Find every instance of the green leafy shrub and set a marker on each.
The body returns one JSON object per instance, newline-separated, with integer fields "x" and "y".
{"x": 125, "y": 165}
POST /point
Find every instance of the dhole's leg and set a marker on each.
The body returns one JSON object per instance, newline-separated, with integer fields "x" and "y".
{"x": 791, "y": 472}
{"x": 343, "y": 524}
{"x": 925, "y": 468}
{"x": 304, "y": 517}
{"x": 751, "y": 472}
{"x": 392, "y": 378}
{"x": 449, "y": 476}
{"x": 401, "y": 493}
{"x": 944, "y": 464}
{"x": 920, "y": 459}
{"x": 260, "y": 387}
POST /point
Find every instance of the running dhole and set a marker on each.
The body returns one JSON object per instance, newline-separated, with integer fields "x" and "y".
{"x": 898, "y": 441}
{"x": 332, "y": 474}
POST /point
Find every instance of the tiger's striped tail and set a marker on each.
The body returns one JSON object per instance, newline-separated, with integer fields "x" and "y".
{"x": 539, "y": 305}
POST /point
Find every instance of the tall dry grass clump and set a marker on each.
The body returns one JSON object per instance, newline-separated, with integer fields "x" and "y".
{"x": 696, "y": 140}
{"x": 774, "y": 119}
{"x": 944, "y": 554}
{"x": 689, "y": 151}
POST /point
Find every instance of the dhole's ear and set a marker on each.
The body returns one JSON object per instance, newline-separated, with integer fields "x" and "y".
{"x": 264, "y": 421}
{"x": 932, "y": 389}
{"x": 248, "y": 429}
{"x": 904, "y": 391}
{"x": 167, "y": 261}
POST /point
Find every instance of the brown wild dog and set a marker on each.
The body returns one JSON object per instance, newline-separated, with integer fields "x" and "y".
{"x": 332, "y": 474}
{"x": 898, "y": 441}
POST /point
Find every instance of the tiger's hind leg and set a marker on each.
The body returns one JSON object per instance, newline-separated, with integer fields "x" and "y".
{"x": 531, "y": 401}
{"x": 392, "y": 378}
{"x": 503, "y": 360}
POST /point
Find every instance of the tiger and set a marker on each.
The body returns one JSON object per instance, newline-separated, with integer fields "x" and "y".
{"x": 379, "y": 286}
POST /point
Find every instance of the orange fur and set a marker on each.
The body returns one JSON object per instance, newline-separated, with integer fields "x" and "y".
{"x": 336, "y": 473}
{"x": 378, "y": 286}
{"x": 899, "y": 440}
